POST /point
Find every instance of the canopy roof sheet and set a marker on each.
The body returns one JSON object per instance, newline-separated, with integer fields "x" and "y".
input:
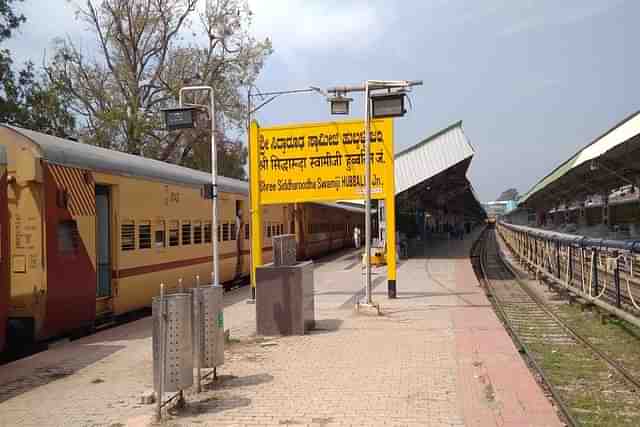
{"x": 431, "y": 156}
{"x": 432, "y": 173}
{"x": 604, "y": 164}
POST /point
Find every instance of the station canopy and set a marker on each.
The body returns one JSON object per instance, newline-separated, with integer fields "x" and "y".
{"x": 609, "y": 162}
{"x": 432, "y": 175}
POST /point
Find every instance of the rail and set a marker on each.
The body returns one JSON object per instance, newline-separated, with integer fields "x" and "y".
{"x": 604, "y": 272}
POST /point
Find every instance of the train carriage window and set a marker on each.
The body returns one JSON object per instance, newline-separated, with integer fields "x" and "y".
{"x": 207, "y": 232}
{"x": 68, "y": 238}
{"x": 246, "y": 232}
{"x": 128, "y": 236}
{"x": 268, "y": 230}
{"x": 174, "y": 233}
{"x": 225, "y": 232}
{"x": 144, "y": 235}
{"x": 197, "y": 233}
{"x": 186, "y": 233}
{"x": 234, "y": 229}
{"x": 219, "y": 233}
{"x": 159, "y": 238}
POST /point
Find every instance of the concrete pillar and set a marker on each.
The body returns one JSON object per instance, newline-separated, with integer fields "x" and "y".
{"x": 582, "y": 215}
{"x": 605, "y": 210}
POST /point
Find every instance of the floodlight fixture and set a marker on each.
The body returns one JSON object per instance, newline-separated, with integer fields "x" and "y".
{"x": 179, "y": 118}
{"x": 388, "y": 105}
{"x": 340, "y": 104}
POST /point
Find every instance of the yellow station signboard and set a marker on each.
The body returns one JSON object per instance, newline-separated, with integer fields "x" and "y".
{"x": 314, "y": 162}
{"x": 320, "y": 161}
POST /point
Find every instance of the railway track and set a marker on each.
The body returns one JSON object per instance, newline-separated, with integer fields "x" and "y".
{"x": 573, "y": 371}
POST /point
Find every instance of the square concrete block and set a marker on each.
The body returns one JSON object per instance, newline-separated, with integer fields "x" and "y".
{"x": 284, "y": 299}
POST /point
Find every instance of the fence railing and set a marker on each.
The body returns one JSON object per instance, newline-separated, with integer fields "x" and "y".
{"x": 606, "y": 271}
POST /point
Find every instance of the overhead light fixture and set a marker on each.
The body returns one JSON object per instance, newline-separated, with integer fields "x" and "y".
{"x": 179, "y": 118}
{"x": 594, "y": 166}
{"x": 388, "y": 105}
{"x": 340, "y": 104}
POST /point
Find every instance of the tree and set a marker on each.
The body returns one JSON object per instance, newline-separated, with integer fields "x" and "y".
{"x": 510, "y": 194}
{"x": 9, "y": 21}
{"x": 144, "y": 56}
{"x": 28, "y": 98}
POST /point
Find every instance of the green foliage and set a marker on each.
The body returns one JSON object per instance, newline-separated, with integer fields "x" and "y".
{"x": 27, "y": 98}
{"x": 9, "y": 21}
{"x": 143, "y": 56}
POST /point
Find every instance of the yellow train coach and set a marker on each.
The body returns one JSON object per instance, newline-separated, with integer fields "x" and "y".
{"x": 91, "y": 233}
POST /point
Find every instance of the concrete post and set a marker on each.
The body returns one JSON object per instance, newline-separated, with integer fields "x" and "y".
{"x": 605, "y": 210}
{"x": 582, "y": 215}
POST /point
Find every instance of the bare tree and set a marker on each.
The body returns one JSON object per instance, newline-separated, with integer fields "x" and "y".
{"x": 145, "y": 51}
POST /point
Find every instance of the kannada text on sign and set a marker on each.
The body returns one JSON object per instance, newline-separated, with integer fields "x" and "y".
{"x": 322, "y": 161}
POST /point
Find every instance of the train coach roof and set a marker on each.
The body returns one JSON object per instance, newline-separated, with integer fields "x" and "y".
{"x": 65, "y": 152}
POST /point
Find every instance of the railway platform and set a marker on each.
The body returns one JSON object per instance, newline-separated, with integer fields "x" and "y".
{"x": 438, "y": 356}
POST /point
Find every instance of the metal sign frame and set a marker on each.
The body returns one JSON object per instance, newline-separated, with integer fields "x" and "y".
{"x": 258, "y": 196}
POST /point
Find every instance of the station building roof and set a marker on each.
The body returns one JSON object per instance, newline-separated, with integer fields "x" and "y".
{"x": 432, "y": 174}
{"x": 608, "y": 162}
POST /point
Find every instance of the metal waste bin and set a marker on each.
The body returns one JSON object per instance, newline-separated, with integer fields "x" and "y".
{"x": 176, "y": 337}
{"x": 208, "y": 322}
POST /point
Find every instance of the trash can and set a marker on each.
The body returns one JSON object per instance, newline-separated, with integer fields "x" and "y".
{"x": 176, "y": 335}
{"x": 208, "y": 322}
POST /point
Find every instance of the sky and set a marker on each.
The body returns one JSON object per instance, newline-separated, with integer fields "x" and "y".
{"x": 532, "y": 81}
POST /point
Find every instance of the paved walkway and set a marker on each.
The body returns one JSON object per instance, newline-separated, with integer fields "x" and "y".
{"x": 438, "y": 357}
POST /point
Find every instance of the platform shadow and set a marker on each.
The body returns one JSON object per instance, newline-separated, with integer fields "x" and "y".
{"x": 14, "y": 385}
{"x": 210, "y": 405}
{"x": 232, "y": 381}
{"x": 325, "y": 326}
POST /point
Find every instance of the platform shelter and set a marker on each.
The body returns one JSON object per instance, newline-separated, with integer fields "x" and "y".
{"x": 434, "y": 197}
{"x": 596, "y": 187}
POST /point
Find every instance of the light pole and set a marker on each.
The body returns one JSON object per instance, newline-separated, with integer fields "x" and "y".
{"x": 390, "y": 105}
{"x": 214, "y": 175}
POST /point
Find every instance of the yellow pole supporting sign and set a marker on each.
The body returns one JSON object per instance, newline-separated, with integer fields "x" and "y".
{"x": 390, "y": 220}
{"x": 256, "y": 217}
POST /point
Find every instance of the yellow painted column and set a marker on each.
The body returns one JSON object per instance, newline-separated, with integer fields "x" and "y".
{"x": 256, "y": 211}
{"x": 390, "y": 220}
{"x": 390, "y": 212}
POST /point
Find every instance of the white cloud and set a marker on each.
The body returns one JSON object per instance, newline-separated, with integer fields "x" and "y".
{"x": 46, "y": 20}
{"x": 562, "y": 16}
{"x": 295, "y": 25}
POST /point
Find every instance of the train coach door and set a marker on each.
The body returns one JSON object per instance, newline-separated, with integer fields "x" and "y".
{"x": 103, "y": 241}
